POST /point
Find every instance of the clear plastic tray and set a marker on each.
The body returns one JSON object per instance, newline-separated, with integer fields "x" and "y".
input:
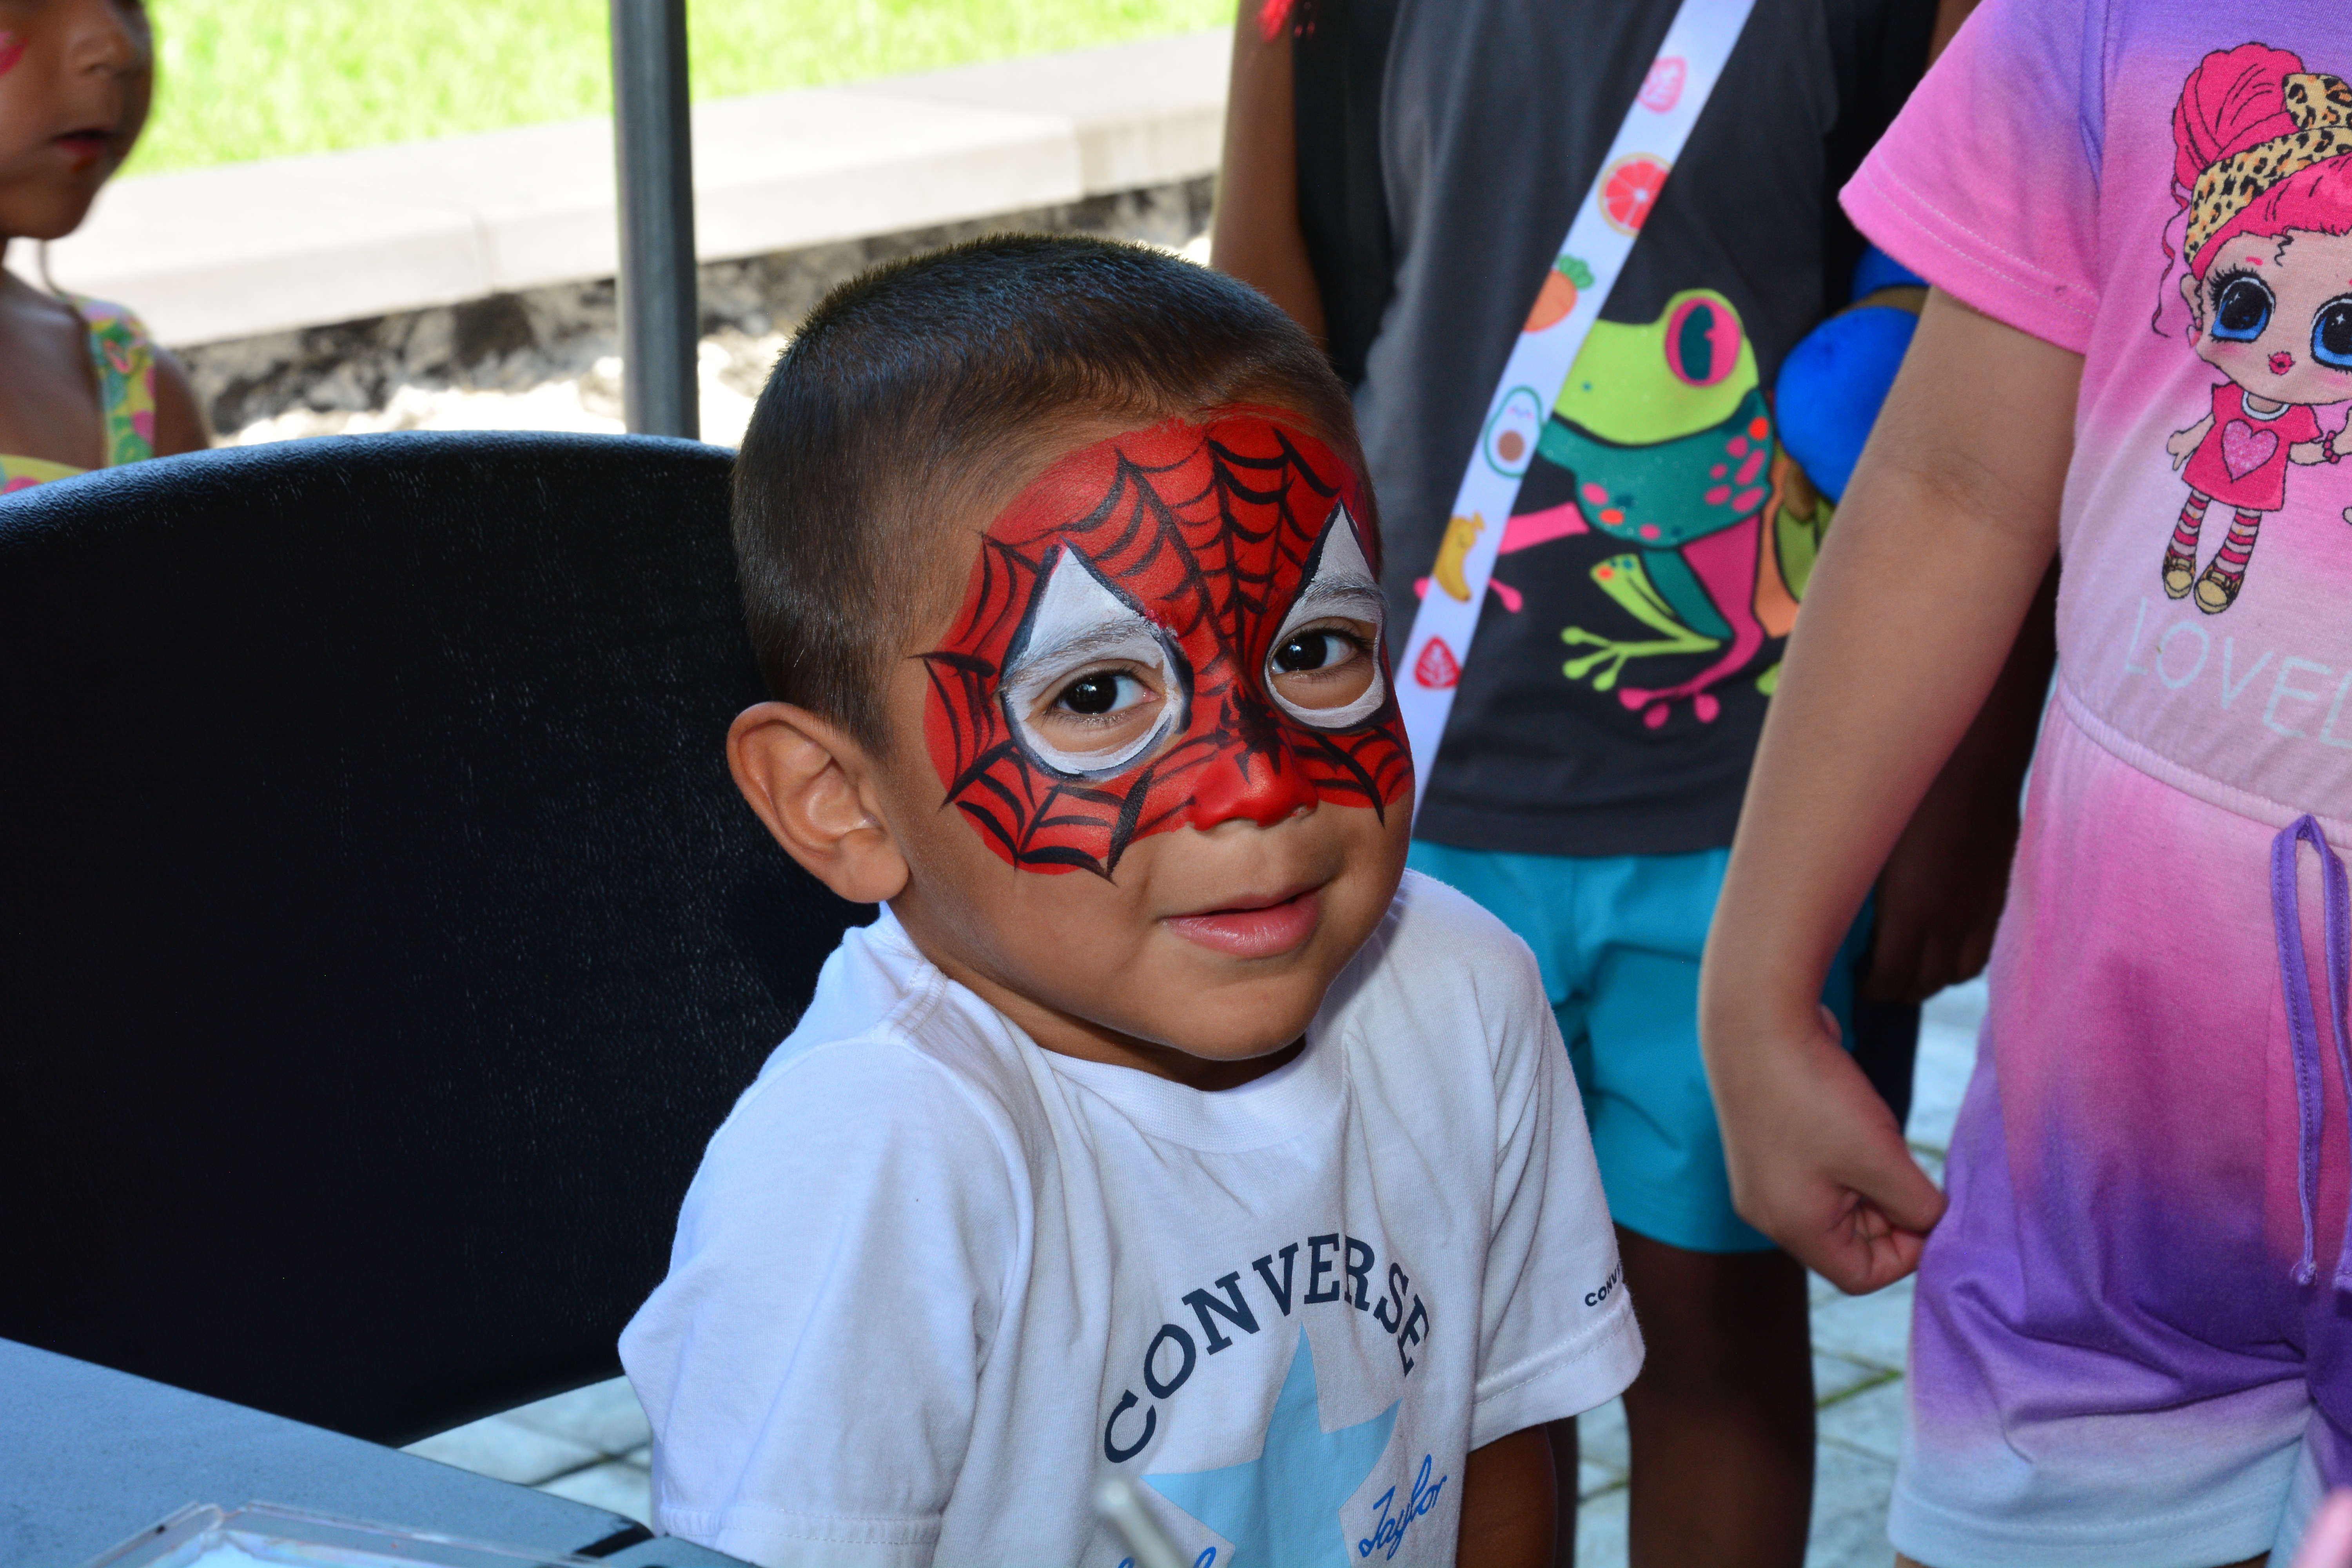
{"x": 263, "y": 1535}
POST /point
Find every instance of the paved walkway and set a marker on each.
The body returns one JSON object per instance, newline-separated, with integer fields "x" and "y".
{"x": 590, "y": 1444}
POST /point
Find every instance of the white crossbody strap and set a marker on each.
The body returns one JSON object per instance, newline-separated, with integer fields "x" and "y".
{"x": 1601, "y": 236}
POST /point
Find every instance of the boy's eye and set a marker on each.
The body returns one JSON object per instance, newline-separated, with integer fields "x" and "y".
{"x": 2243, "y": 304}
{"x": 1316, "y": 647}
{"x": 1090, "y": 685}
{"x": 1324, "y": 668}
{"x": 1325, "y": 674}
{"x": 2331, "y": 333}
{"x": 1101, "y": 691}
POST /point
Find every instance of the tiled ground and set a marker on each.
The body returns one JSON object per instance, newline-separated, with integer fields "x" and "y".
{"x": 590, "y": 1444}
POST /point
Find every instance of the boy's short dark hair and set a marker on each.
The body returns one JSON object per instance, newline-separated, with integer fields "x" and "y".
{"x": 933, "y": 375}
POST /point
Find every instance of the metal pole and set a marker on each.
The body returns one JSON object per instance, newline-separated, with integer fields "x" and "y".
{"x": 652, "y": 140}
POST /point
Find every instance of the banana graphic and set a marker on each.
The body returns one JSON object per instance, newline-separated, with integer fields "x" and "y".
{"x": 1461, "y": 533}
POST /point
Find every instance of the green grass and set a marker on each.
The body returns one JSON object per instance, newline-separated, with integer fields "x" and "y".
{"x": 237, "y": 79}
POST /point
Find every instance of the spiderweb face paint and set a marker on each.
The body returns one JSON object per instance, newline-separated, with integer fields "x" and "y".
{"x": 1202, "y": 559}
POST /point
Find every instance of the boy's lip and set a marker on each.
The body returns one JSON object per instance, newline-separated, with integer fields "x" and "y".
{"x": 1254, "y": 925}
{"x": 85, "y": 141}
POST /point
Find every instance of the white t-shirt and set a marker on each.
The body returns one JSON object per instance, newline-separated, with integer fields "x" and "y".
{"x": 933, "y": 1282}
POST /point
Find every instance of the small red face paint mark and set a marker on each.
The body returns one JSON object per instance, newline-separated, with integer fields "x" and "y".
{"x": 11, "y": 50}
{"x": 2281, "y": 362}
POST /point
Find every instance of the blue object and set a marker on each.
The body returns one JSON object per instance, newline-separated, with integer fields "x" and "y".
{"x": 1618, "y": 939}
{"x": 1832, "y": 386}
{"x": 1878, "y": 271}
{"x": 1283, "y": 1507}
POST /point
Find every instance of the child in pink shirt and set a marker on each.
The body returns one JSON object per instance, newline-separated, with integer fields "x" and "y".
{"x": 2133, "y": 1342}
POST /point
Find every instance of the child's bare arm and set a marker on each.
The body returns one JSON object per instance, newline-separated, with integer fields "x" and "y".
{"x": 1508, "y": 1502}
{"x": 1256, "y": 235}
{"x": 1940, "y": 893}
{"x": 180, "y": 424}
{"x": 1946, "y": 534}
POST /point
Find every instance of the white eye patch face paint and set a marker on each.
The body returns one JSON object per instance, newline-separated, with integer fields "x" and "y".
{"x": 1078, "y": 623}
{"x": 1339, "y": 586}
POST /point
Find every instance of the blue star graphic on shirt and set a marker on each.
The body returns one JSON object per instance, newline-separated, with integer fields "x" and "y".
{"x": 1282, "y": 1508}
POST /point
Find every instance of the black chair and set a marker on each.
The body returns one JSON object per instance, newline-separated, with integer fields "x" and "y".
{"x": 381, "y": 937}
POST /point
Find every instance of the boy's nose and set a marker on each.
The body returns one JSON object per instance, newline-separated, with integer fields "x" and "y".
{"x": 99, "y": 36}
{"x": 1259, "y": 786}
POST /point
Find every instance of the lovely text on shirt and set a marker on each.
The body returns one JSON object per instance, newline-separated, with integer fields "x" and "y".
{"x": 2303, "y": 700}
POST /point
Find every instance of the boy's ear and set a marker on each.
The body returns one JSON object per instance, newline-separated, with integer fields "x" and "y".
{"x": 813, "y": 786}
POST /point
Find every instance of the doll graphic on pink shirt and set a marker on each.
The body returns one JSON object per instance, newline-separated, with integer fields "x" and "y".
{"x": 2263, "y": 165}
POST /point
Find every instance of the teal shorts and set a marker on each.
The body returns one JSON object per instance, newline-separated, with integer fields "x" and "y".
{"x": 1619, "y": 940}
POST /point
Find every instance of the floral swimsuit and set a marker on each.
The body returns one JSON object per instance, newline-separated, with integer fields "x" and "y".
{"x": 125, "y": 363}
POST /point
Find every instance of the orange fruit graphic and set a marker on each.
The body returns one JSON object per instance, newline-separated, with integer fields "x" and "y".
{"x": 1629, "y": 189}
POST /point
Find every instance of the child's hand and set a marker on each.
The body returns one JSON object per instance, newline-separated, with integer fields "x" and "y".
{"x": 1817, "y": 1163}
{"x": 2307, "y": 452}
{"x": 2327, "y": 1543}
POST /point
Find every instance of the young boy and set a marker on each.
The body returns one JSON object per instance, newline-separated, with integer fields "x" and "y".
{"x": 1161, "y": 1127}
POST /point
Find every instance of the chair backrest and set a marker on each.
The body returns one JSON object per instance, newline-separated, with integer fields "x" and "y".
{"x": 380, "y": 936}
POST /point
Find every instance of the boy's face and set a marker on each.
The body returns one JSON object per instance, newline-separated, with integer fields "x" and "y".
{"x": 1149, "y": 780}
{"x": 75, "y": 79}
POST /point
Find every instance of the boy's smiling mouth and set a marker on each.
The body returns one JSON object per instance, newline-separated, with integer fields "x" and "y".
{"x": 1253, "y": 927}
{"x": 85, "y": 144}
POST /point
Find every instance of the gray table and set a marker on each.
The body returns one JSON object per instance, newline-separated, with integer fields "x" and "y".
{"x": 89, "y": 1456}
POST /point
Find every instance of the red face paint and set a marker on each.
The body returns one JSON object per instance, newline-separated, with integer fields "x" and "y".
{"x": 11, "y": 50}
{"x": 1185, "y": 549}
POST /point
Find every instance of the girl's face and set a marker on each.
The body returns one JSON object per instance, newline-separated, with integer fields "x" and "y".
{"x": 2274, "y": 313}
{"x": 74, "y": 80}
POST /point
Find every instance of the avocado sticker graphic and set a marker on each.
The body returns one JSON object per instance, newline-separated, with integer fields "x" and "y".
{"x": 1665, "y": 432}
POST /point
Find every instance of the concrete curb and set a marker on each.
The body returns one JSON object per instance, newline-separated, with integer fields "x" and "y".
{"x": 249, "y": 248}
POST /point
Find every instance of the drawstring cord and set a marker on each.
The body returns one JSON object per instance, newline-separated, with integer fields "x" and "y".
{"x": 2303, "y": 1026}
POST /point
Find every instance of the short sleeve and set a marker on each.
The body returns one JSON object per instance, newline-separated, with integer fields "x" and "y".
{"x": 1558, "y": 1335}
{"x": 811, "y": 1365}
{"x": 1987, "y": 185}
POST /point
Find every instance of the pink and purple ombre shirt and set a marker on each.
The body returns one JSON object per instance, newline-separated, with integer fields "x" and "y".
{"x": 2167, "y": 190}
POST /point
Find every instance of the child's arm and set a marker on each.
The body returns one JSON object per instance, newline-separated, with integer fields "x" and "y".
{"x": 1255, "y": 236}
{"x": 1941, "y": 891}
{"x": 1509, "y": 1505}
{"x": 1947, "y": 533}
{"x": 180, "y": 424}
